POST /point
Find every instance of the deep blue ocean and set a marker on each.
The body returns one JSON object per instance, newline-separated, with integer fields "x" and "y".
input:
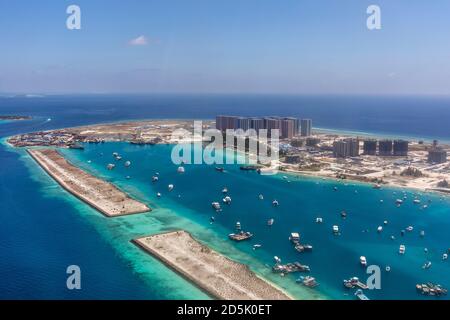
{"x": 44, "y": 229}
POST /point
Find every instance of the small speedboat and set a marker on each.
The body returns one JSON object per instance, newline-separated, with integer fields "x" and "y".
{"x": 275, "y": 203}
{"x": 410, "y": 228}
{"x": 319, "y": 220}
{"x": 344, "y": 214}
{"x": 216, "y": 206}
{"x": 238, "y": 226}
{"x": 388, "y": 269}
{"x": 225, "y": 190}
{"x": 110, "y": 166}
{"x": 422, "y": 233}
{"x": 127, "y": 163}
{"x": 335, "y": 229}
{"x": 416, "y": 201}
{"x": 402, "y": 249}
{"x": 180, "y": 170}
{"x": 270, "y": 222}
{"x": 427, "y": 265}
{"x": 445, "y": 256}
{"x": 170, "y": 187}
{"x": 363, "y": 261}
{"x": 360, "y": 295}
{"x": 261, "y": 197}
{"x": 256, "y": 246}
{"x": 158, "y": 195}
{"x": 380, "y": 229}
{"x": 155, "y": 178}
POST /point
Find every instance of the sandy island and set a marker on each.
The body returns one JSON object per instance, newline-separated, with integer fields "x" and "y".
{"x": 100, "y": 194}
{"x": 219, "y": 276}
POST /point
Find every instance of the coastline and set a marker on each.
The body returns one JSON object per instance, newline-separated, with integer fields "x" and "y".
{"x": 214, "y": 273}
{"x": 101, "y": 195}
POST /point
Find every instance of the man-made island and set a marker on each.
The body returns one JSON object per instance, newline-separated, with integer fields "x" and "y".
{"x": 412, "y": 164}
{"x": 98, "y": 193}
{"x": 219, "y": 276}
{"x": 14, "y": 117}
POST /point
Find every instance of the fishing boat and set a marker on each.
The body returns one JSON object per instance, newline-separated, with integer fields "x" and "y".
{"x": 170, "y": 187}
{"x": 241, "y": 236}
{"x": 294, "y": 237}
{"x": 335, "y": 229}
{"x": 290, "y": 268}
{"x": 430, "y": 289}
{"x": 308, "y": 281}
{"x": 270, "y": 222}
{"x": 275, "y": 203}
{"x": 127, "y": 163}
{"x": 402, "y": 249}
{"x": 216, "y": 206}
{"x": 363, "y": 261}
{"x": 110, "y": 166}
{"x": 360, "y": 295}
{"x": 353, "y": 283}
{"x": 227, "y": 200}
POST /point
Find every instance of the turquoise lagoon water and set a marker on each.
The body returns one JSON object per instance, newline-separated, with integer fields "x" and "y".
{"x": 334, "y": 258}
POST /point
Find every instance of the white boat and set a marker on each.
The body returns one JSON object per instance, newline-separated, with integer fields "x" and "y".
{"x": 422, "y": 233}
{"x": 158, "y": 195}
{"x": 335, "y": 229}
{"x": 170, "y": 187}
{"x": 89, "y": 161}
{"x": 127, "y": 163}
{"x": 427, "y": 265}
{"x": 363, "y": 261}
{"x": 294, "y": 237}
{"x": 319, "y": 220}
{"x": 402, "y": 249}
{"x": 275, "y": 203}
{"x": 128, "y": 177}
{"x": 277, "y": 260}
{"x": 379, "y": 229}
{"x": 385, "y": 222}
{"x": 377, "y": 186}
{"x": 115, "y": 154}
{"x": 155, "y": 178}
{"x": 256, "y": 246}
{"x": 180, "y": 170}
{"x": 444, "y": 256}
{"x": 238, "y": 225}
{"x": 388, "y": 269}
{"x": 118, "y": 158}
{"x": 261, "y": 197}
{"x": 416, "y": 201}
{"x": 410, "y": 228}
{"x": 360, "y": 295}
{"x": 216, "y": 206}
{"x": 225, "y": 190}
{"x": 227, "y": 200}
{"x": 398, "y": 201}
{"x": 270, "y": 222}
{"x": 110, "y": 166}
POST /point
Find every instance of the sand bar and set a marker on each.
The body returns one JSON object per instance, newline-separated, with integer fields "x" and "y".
{"x": 219, "y": 276}
{"x": 100, "y": 194}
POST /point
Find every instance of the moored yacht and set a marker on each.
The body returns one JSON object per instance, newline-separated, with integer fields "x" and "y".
{"x": 335, "y": 229}
{"x": 402, "y": 249}
{"x": 363, "y": 261}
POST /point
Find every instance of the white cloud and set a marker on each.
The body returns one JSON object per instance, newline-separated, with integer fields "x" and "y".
{"x": 139, "y": 41}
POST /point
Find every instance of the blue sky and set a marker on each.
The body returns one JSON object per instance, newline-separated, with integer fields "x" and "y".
{"x": 221, "y": 46}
